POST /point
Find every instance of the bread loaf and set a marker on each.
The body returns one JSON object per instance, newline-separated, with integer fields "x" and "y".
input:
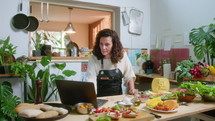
{"x": 47, "y": 114}
{"x": 24, "y": 106}
{"x": 29, "y": 113}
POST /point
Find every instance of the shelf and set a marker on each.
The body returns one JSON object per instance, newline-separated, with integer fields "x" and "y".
{"x": 208, "y": 78}
{"x": 9, "y": 75}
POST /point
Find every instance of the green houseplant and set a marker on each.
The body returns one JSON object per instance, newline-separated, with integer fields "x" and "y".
{"x": 42, "y": 71}
{"x": 8, "y": 102}
{"x": 183, "y": 68}
{"x": 203, "y": 40}
{"x": 37, "y": 44}
{"x": 7, "y": 50}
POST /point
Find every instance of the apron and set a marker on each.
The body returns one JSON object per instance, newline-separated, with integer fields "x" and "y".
{"x": 109, "y": 82}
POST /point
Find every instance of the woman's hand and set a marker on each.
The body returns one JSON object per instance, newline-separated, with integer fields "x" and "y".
{"x": 131, "y": 91}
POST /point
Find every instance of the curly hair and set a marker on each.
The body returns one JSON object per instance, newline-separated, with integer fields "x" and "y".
{"x": 117, "y": 49}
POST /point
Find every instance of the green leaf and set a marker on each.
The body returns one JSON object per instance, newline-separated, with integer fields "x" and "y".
{"x": 5, "y": 89}
{"x": 199, "y": 51}
{"x": 60, "y": 66}
{"x": 8, "y": 105}
{"x": 59, "y": 77}
{"x": 45, "y": 60}
{"x": 69, "y": 73}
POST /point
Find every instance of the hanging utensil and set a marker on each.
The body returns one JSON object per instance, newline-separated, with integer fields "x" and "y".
{"x": 41, "y": 11}
{"x": 34, "y": 23}
{"x": 47, "y": 12}
{"x": 20, "y": 20}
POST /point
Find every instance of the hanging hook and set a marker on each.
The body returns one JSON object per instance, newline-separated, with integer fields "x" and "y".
{"x": 47, "y": 12}
{"x": 41, "y": 11}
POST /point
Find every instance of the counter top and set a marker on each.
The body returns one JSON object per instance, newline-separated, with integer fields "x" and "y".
{"x": 197, "y": 106}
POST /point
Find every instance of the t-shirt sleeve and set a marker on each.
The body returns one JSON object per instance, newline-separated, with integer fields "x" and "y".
{"x": 128, "y": 72}
{"x": 91, "y": 72}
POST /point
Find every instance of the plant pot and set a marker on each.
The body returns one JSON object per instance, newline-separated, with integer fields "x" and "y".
{"x": 36, "y": 53}
{"x": 46, "y": 50}
{"x": 207, "y": 98}
{"x": 148, "y": 67}
{"x": 2, "y": 70}
{"x": 7, "y": 69}
{"x": 186, "y": 98}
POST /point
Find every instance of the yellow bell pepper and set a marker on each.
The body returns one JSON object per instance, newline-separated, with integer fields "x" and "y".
{"x": 212, "y": 69}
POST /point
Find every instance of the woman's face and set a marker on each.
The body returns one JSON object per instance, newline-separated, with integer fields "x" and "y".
{"x": 106, "y": 45}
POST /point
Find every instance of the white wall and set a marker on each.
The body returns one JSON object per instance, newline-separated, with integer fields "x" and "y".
{"x": 178, "y": 17}
{"x": 9, "y": 8}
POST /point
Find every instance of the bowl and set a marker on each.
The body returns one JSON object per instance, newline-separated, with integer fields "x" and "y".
{"x": 84, "y": 108}
{"x": 125, "y": 105}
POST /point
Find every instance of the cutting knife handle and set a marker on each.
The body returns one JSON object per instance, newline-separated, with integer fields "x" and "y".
{"x": 156, "y": 115}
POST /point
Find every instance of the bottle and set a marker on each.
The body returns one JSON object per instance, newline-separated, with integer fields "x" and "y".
{"x": 38, "y": 97}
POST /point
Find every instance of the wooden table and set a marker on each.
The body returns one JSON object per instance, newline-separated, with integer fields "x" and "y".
{"x": 197, "y": 106}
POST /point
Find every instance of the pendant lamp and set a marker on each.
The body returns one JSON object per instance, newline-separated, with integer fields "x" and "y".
{"x": 70, "y": 29}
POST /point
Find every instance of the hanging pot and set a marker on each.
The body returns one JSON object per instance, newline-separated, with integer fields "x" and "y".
{"x": 20, "y": 20}
{"x": 33, "y": 22}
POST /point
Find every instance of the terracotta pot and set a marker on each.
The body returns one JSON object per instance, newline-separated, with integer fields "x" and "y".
{"x": 186, "y": 98}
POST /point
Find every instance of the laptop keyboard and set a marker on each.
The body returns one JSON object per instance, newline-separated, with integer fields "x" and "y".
{"x": 101, "y": 102}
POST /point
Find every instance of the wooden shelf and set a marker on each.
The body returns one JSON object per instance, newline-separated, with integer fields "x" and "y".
{"x": 59, "y": 58}
{"x": 10, "y": 75}
{"x": 208, "y": 78}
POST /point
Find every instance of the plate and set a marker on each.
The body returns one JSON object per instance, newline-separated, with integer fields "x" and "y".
{"x": 175, "y": 110}
{"x": 52, "y": 118}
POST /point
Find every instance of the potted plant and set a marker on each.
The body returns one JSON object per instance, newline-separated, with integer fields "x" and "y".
{"x": 203, "y": 40}
{"x": 7, "y": 51}
{"x": 37, "y": 44}
{"x": 8, "y": 102}
{"x": 41, "y": 71}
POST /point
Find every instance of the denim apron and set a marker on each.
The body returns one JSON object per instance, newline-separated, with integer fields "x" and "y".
{"x": 109, "y": 82}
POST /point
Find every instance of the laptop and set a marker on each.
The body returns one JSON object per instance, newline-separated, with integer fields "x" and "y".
{"x": 73, "y": 92}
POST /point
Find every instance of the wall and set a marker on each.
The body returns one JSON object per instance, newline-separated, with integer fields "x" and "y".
{"x": 176, "y": 18}
{"x": 19, "y": 38}
{"x": 129, "y": 41}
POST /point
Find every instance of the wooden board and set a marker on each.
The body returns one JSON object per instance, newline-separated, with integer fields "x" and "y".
{"x": 142, "y": 116}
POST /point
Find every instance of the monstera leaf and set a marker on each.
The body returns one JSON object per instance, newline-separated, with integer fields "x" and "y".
{"x": 8, "y": 101}
{"x": 8, "y": 105}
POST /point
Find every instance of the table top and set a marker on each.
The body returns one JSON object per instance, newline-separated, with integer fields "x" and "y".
{"x": 197, "y": 106}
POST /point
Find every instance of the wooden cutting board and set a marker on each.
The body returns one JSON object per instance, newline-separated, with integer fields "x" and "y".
{"x": 142, "y": 116}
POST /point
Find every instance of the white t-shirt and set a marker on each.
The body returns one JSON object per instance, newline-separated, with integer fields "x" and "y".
{"x": 94, "y": 66}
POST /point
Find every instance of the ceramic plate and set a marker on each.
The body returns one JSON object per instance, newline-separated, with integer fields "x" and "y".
{"x": 175, "y": 110}
{"x": 52, "y": 118}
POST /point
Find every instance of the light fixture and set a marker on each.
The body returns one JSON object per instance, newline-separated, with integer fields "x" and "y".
{"x": 70, "y": 29}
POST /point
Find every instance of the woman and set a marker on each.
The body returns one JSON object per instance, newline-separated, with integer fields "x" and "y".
{"x": 109, "y": 64}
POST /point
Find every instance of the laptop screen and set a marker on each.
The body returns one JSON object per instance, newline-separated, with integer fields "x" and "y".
{"x": 73, "y": 92}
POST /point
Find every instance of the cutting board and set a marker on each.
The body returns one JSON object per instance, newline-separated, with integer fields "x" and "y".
{"x": 142, "y": 116}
